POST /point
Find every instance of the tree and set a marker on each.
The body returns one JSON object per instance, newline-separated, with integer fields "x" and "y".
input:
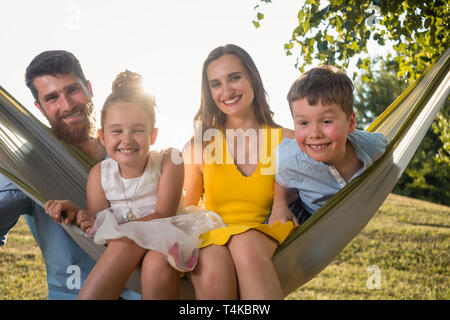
{"x": 335, "y": 32}
{"x": 338, "y": 30}
{"x": 427, "y": 176}
{"x": 376, "y": 89}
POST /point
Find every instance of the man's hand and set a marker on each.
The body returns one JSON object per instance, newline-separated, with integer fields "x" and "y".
{"x": 61, "y": 209}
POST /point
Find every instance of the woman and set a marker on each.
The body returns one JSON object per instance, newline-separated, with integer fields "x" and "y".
{"x": 234, "y": 176}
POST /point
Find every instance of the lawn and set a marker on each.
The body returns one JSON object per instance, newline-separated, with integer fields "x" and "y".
{"x": 403, "y": 253}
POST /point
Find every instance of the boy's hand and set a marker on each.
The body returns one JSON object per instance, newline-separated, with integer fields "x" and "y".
{"x": 282, "y": 213}
{"x": 85, "y": 220}
{"x": 61, "y": 209}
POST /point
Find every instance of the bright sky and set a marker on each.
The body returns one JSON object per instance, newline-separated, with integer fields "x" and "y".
{"x": 165, "y": 41}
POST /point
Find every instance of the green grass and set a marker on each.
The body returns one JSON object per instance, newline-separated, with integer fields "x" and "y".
{"x": 407, "y": 239}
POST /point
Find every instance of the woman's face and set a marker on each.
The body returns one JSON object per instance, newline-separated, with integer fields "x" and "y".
{"x": 230, "y": 85}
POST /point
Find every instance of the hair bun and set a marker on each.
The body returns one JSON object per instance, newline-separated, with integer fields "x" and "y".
{"x": 127, "y": 80}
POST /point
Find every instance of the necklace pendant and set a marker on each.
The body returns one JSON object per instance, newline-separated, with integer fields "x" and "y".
{"x": 130, "y": 216}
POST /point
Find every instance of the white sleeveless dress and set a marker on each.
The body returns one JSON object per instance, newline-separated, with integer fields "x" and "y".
{"x": 176, "y": 237}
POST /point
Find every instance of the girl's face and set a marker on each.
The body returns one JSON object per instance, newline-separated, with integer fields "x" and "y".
{"x": 321, "y": 130}
{"x": 127, "y": 135}
{"x": 230, "y": 85}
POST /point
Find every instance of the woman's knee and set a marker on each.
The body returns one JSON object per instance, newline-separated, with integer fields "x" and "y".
{"x": 252, "y": 249}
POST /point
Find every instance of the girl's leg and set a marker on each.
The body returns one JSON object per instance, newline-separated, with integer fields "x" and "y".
{"x": 159, "y": 280}
{"x": 252, "y": 253}
{"x": 111, "y": 272}
{"x": 214, "y": 276}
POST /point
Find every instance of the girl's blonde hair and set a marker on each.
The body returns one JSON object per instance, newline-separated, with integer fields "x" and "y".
{"x": 127, "y": 87}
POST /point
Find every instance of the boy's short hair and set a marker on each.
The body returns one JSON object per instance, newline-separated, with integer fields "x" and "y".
{"x": 327, "y": 84}
{"x": 52, "y": 62}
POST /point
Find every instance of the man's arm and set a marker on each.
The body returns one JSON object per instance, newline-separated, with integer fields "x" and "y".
{"x": 13, "y": 203}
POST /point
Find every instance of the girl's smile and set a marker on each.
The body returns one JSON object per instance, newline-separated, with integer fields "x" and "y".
{"x": 127, "y": 136}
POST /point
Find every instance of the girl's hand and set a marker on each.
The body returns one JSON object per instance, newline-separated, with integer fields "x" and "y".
{"x": 85, "y": 220}
{"x": 283, "y": 214}
{"x": 61, "y": 209}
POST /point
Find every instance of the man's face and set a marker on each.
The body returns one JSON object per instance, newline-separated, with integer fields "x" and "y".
{"x": 66, "y": 103}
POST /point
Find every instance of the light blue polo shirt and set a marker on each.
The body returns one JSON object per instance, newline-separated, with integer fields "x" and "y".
{"x": 316, "y": 182}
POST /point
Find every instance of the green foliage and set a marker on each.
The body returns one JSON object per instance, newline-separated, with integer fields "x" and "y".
{"x": 427, "y": 176}
{"x": 335, "y": 31}
{"x": 376, "y": 89}
{"x": 408, "y": 240}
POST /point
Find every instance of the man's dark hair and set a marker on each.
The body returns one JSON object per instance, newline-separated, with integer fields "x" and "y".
{"x": 52, "y": 63}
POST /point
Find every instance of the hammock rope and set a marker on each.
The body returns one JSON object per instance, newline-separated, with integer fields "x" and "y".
{"x": 33, "y": 159}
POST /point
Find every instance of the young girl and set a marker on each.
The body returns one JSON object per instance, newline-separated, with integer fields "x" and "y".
{"x": 239, "y": 190}
{"x": 131, "y": 198}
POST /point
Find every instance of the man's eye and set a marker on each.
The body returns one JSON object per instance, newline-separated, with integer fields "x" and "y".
{"x": 50, "y": 99}
{"x": 73, "y": 90}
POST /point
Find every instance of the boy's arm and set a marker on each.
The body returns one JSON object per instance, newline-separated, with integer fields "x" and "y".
{"x": 280, "y": 209}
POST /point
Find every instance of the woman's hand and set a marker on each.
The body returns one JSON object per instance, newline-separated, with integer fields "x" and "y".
{"x": 61, "y": 209}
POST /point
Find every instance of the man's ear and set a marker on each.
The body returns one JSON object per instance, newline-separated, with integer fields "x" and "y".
{"x": 352, "y": 122}
{"x": 39, "y": 107}
{"x": 90, "y": 88}
{"x": 100, "y": 137}
{"x": 154, "y": 135}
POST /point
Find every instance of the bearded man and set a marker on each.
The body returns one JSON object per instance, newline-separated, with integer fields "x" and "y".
{"x": 64, "y": 97}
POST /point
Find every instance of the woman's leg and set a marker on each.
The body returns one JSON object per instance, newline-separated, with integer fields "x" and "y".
{"x": 111, "y": 272}
{"x": 252, "y": 253}
{"x": 159, "y": 280}
{"x": 214, "y": 276}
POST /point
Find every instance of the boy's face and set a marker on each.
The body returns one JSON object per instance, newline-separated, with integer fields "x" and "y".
{"x": 321, "y": 130}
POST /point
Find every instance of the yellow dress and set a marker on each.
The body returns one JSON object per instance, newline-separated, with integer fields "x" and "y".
{"x": 242, "y": 202}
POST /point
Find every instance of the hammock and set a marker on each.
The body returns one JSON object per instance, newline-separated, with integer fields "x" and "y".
{"x": 33, "y": 159}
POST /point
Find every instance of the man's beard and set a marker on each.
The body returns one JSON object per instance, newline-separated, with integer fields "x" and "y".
{"x": 76, "y": 133}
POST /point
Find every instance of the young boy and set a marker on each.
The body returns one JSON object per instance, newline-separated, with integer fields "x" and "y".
{"x": 328, "y": 151}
